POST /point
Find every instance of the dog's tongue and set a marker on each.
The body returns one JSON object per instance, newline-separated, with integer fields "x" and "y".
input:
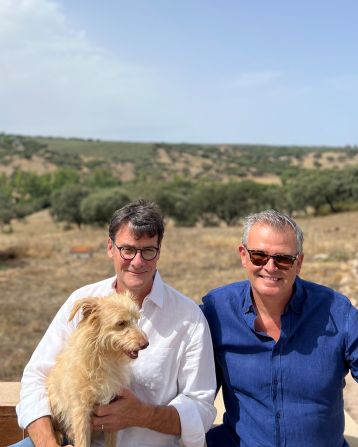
{"x": 133, "y": 354}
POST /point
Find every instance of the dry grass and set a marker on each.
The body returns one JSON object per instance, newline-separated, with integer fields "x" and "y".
{"x": 42, "y": 273}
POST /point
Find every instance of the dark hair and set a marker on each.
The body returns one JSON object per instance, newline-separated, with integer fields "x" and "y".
{"x": 276, "y": 220}
{"x": 144, "y": 217}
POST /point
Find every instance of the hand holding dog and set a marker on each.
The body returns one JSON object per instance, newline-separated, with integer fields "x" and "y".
{"x": 126, "y": 411}
{"x": 129, "y": 411}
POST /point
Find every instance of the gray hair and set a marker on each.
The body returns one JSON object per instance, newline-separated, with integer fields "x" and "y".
{"x": 276, "y": 220}
{"x": 144, "y": 217}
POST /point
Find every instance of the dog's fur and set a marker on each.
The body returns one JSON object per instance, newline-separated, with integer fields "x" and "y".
{"x": 93, "y": 367}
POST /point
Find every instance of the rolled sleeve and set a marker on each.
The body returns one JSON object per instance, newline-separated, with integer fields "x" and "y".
{"x": 30, "y": 409}
{"x": 192, "y": 428}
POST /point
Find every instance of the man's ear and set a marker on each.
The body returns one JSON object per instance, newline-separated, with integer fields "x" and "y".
{"x": 299, "y": 262}
{"x": 243, "y": 254}
{"x": 110, "y": 248}
{"x": 157, "y": 258}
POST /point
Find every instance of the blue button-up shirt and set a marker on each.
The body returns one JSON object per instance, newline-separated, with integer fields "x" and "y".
{"x": 287, "y": 393}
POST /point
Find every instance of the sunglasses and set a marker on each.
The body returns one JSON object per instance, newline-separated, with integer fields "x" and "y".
{"x": 260, "y": 258}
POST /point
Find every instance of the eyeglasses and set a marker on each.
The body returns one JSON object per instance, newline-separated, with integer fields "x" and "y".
{"x": 260, "y": 258}
{"x": 128, "y": 253}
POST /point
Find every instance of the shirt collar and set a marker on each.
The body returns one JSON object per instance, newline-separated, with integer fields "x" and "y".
{"x": 295, "y": 303}
{"x": 155, "y": 295}
{"x": 248, "y": 305}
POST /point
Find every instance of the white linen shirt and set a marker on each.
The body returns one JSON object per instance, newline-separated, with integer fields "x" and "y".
{"x": 176, "y": 369}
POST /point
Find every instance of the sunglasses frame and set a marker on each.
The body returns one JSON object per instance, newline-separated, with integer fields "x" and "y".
{"x": 290, "y": 258}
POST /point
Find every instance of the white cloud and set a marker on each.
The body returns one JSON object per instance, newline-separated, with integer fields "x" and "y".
{"x": 54, "y": 80}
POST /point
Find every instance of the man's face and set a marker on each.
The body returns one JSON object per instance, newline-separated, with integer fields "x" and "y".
{"x": 270, "y": 281}
{"x": 135, "y": 275}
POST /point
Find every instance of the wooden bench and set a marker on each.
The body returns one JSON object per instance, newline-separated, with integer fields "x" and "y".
{"x": 9, "y": 430}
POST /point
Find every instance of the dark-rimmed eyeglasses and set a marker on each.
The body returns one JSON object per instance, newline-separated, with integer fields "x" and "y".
{"x": 260, "y": 258}
{"x": 128, "y": 252}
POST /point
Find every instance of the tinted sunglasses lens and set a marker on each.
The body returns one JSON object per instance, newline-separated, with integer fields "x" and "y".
{"x": 281, "y": 261}
{"x": 259, "y": 258}
{"x": 284, "y": 261}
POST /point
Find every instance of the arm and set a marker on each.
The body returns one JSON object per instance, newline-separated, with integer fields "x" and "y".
{"x": 33, "y": 396}
{"x": 205, "y": 308}
{"x": 197, "y": 386}
{"x": 41, "y": 432}
{"x": 352, "y": 341}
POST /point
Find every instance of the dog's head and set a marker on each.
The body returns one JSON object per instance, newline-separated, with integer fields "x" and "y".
{"x": 112, "y": 324}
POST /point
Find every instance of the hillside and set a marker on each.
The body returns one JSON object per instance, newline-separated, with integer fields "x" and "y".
{"x": 129, "y": 160}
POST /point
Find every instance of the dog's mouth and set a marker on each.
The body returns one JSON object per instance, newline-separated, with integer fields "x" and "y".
{"x": 132, "y": 354}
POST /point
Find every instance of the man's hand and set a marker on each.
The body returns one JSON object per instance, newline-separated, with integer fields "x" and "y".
{"x": 129, "y": 411}
{"x": 126, "y": 411}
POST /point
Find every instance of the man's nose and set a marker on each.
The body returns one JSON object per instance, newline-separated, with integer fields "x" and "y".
{"x": 137, "y": 260}
{"x": 270, "y": 265}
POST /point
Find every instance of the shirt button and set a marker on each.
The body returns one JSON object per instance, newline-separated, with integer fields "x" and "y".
{"x": 278, "y": 415}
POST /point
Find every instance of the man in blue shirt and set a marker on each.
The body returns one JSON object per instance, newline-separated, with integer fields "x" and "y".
{"x": 282, "y": 345}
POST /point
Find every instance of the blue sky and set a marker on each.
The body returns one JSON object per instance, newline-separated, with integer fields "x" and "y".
{"x": 253, "y": 71}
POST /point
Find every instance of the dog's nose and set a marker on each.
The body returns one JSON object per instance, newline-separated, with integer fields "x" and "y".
{"x": 144, "y": 345}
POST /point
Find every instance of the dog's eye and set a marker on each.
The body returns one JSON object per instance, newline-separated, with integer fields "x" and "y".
{"x": 121, "y": 324}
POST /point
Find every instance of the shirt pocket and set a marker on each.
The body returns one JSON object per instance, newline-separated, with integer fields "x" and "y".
{"x": 155, "y": 375}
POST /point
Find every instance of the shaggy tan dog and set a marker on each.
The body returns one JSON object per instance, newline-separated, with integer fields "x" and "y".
{"x": 93, "y": 367}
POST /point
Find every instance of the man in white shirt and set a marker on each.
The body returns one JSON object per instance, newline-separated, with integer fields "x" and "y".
{"x": 172, "y": 394}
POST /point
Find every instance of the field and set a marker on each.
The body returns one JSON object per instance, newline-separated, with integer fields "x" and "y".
{"x": 38, "y": 272}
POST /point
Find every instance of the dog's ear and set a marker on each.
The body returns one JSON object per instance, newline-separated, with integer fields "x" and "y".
{"x": 88, "y": 305}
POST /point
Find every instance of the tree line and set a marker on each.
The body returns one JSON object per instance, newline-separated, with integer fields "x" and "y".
{"x": 91, "y": 198}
